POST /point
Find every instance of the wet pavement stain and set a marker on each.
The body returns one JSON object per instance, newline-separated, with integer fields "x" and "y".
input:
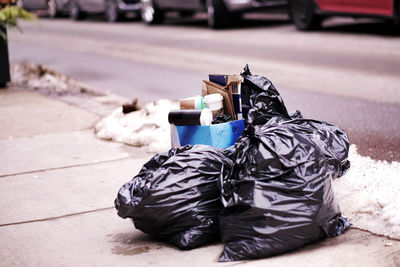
{"x": 129, "y": 244}
{"x": 129, "y": 251}
{"x": 128, "y": 238}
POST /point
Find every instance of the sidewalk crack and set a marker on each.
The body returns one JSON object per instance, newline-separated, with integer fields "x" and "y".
{"x": 64, "y": 167}
{"x": 56, "y": 217}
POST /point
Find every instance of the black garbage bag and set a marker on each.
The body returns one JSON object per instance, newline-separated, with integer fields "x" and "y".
{"x": 296, "y": 114}
{"x": 260, "y": 100}
{"x": 331, "y": 139}
{"x": 175, "y": 196}
{"x": 279, "y": 196}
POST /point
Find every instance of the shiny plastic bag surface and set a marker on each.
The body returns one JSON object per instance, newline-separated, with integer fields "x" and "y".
{"x": 260, "y": 99}
{"x": 175, "y": 196}
{"x": 330, "y": 139}
{"x": 262, "y": 103}
{"x": 279, "y": 196}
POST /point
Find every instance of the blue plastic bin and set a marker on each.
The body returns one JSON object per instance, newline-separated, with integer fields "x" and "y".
{"x": 219, "y": 135}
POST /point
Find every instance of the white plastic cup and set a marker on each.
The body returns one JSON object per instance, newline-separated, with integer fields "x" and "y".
{"x": 214, "y": 102}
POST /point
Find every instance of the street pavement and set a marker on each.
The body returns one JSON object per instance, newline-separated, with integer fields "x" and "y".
{"x": 58, "y": 183}
{"x": 348, "y": 73}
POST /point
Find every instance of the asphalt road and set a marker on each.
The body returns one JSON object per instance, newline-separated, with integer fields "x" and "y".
{"x": 347, "y": 74}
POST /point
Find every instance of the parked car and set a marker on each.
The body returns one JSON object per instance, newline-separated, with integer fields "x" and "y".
{"x": 309, "y": 14}
{"x": 54, "y": 8}
{"x": 221, "y": 13}
{"x": 113, "y": 9}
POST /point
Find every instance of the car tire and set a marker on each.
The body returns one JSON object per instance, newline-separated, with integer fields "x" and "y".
{"x": 150, "y": 13}
{"x": 218, "y": 15}
{"x": 75, "y": 12}
{"x": 303, "y": 15}
{"x": 396, "y": 15}
{"x": 52, "y": 9}
{"x": 112, "y": 12}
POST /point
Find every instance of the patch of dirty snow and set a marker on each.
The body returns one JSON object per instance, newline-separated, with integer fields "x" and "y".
{"x": 147, "y": 127}
{"x": 41, "y": 78}
{"x": 369, "y": 194}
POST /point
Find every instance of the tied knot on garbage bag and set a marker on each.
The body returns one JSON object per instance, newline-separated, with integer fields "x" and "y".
{"x": 269, "y": 193}
{"x": 260, "y": 99}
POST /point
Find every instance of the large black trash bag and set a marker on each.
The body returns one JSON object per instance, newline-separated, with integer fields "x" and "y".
{"x": 331, "y": 139}
{"x": 279, "y": 196}
{"x": 260, "y": 100}
{"x": 175, "y": 196}
{"x": 262, "y": 103}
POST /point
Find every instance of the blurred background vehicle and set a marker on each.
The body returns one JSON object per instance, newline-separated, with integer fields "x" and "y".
{"x": 221, "y": 13}
{"x": 55, "y": 8}
{"x": 113, "y": 9}
{"x": 309, "y": 14}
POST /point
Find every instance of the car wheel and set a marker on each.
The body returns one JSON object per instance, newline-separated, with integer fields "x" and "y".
{"x": 218, "y": 15}
{"x": 112, "y": 12}
{"x": 52, "y": 9}
{"x": 75, "y": 12}
{"x": 151, "y": 14}
{"x": 302, "y": 13}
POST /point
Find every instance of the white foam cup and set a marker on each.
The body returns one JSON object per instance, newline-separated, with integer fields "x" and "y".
{"x": 214, "y": 102}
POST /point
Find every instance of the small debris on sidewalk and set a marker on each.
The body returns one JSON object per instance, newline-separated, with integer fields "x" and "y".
{"x": 130, "y": 107}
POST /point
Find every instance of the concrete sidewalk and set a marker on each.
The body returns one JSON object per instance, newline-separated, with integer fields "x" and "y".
{"x": 57, "y": 187}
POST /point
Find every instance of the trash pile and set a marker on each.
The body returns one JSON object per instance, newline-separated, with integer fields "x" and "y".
{"x": 269, "y": 193}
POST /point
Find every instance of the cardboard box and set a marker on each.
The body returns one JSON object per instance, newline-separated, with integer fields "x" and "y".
{"x": 229, "y": 86}
{"x": 219, "y": 135}
{"x": 225, "y": 80}
{"x": 214, "y": 88}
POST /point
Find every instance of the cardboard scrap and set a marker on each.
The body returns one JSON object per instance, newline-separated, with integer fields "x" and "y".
{"x": 214, "y": 88}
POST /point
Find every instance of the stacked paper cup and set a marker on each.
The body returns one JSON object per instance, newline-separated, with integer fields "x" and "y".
{"x": 214, "y": 102}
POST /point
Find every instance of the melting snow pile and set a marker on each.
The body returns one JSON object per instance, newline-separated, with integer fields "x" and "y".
{"x": 147, "y": 127}
{"x": 45, "y": 80}
{"x": 369, "y": 194}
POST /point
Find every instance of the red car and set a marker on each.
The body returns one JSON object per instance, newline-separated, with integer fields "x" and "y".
{"x": 308, "y": 14}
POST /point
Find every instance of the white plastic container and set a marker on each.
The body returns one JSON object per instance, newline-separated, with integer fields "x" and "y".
{"x": 215, "y": 102}
{"x": 206, "y": 117}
